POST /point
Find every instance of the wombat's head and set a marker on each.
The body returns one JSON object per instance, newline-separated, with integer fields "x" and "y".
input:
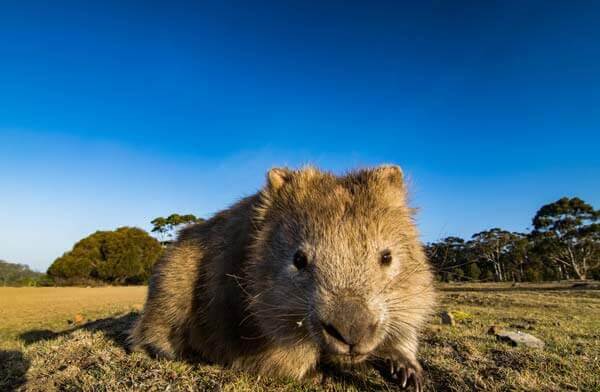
{"x": 337, "y": 261}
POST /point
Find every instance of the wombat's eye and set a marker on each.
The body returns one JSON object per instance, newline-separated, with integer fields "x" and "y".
{"x": 300, "y": 260}
{"x": 386, "y": 257}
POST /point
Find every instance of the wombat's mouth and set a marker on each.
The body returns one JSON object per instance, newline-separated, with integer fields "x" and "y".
{"x": 340, "y": 348}
{"x": 348, "y": 359}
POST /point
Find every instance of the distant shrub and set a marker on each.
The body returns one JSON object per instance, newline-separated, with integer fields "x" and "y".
{"x": 488, "y": 276}
{"x": 12, "y": 274}
{"x": 123, "y": 256}
{"x": 533, "y": 275}
{"x": 473, "y": 271}
{"x": 45, "y": 281}
{"x": 458, "y": 274}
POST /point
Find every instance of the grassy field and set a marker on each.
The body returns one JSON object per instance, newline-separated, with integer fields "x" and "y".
{"x": 72, "y": 339}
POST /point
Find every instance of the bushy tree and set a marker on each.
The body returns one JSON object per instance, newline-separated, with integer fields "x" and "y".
{"x": 125, "y": 255}
{"x": 568, "y": 234}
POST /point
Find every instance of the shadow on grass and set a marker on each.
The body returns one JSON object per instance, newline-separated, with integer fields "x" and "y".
{"x": 371, "y": 378}
{"x": 13, "y": 368}
{"x": 114, "y": 328}
{"x": 361, "y": 377}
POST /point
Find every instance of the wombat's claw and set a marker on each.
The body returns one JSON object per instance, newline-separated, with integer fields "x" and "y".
{"x": 405, "y": 374}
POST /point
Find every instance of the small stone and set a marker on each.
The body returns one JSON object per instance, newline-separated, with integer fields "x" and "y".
{"x": 517, "y": 338}
{"x": 493, "y": 330}
{"x": 78, "y": 319}
{"x": 447, "y": 318}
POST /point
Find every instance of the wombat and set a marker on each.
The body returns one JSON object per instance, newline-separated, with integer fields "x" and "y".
{"x": 315, "y": 268}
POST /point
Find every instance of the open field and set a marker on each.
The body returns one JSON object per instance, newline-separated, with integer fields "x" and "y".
{"x": 51, "y": 308}
{"x": 72, "y": 339}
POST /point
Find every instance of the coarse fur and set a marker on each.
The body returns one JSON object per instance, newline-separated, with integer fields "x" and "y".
{"x": 313, "y": 268}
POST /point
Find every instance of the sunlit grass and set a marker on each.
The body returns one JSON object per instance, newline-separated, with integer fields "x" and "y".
{"x": 42, "y": 350}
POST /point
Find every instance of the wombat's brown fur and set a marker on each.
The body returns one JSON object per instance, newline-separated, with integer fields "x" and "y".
{"x": 313, "y": 268}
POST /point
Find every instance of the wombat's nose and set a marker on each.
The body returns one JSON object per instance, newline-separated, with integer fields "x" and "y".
{"x": 350, "y": 325}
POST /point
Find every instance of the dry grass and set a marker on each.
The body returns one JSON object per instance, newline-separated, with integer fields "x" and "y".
{"x": 40, "y": 350}
{"x": 25, "y": 309}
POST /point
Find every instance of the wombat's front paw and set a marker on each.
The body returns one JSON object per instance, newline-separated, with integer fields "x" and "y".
{"x": 404, "y": 372}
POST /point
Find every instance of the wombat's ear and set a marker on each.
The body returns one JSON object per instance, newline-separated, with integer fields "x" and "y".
{"x": 278, "y": 176}
{"x": 390, "y": 174}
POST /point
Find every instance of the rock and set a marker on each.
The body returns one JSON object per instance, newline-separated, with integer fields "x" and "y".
{"x": 78, "y": 319}
{"x": 447, "y": 318}
{"x": 493, "y": 330}
{"x": 517, "y": 338}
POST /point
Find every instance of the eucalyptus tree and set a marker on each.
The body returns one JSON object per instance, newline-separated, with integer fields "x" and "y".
{"x": 568, "y": 232}
{"x": 166, "y": 228}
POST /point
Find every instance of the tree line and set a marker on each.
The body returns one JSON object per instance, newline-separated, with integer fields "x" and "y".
{"x": 563, "y": 244}
{"x": 13, "y": 274}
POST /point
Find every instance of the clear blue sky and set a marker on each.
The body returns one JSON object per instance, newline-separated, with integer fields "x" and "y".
{"x": 114, "y": 113}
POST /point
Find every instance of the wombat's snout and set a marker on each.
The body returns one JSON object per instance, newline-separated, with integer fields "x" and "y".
{"x": 350, "y": 329}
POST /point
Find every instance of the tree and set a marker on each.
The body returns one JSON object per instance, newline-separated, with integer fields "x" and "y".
{"x": 125, "y": 255}
{"x": 492, "y": 246}
{"x": 159, "y": 227}
{"x": 12, "y": 274}
{"x": 447, "y": 255}
{"x": 473, "y": 271}
{"x": 569, "y": 233}
{"x": 166, "y": 228}
{"x": 518, "y": 255}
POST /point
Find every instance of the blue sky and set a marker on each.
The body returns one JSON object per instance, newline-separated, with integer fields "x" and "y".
{"x": 114, "y": 113}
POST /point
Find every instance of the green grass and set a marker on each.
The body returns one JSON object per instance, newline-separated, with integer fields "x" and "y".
{"x": 40, "y": 350}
